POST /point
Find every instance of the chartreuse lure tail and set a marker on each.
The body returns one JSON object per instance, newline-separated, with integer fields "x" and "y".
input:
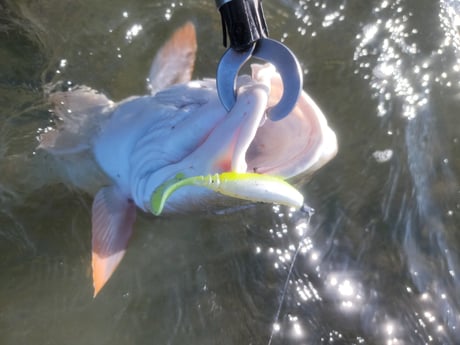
{"x": 248, "y": 186}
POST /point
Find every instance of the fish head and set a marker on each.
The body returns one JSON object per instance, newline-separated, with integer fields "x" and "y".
{"x": 244, "y": 140}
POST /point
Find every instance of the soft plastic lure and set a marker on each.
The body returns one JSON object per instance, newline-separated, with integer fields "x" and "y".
{"x": 247, "y": 186}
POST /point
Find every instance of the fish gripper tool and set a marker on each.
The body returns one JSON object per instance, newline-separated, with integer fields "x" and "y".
{"x": 244, "y": 22}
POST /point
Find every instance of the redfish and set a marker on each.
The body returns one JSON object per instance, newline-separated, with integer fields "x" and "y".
{"x": 177, "y": 150}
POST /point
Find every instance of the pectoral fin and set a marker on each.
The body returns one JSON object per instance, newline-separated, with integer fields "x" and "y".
{"x": 112, "y": 225}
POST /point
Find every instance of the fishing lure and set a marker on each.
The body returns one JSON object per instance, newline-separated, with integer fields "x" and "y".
{"x": 247, "y": 186}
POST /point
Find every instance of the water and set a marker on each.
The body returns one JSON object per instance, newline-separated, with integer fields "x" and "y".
{"x": 378, "y": 262}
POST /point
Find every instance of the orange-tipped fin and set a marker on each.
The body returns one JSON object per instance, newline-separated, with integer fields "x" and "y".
{"x": 112, "y": 225}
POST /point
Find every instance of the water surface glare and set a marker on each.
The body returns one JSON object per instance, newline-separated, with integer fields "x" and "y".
{"x": 377, "y": 263}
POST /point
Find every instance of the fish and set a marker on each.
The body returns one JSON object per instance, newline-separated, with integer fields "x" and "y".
{"x": 177, "y": 150}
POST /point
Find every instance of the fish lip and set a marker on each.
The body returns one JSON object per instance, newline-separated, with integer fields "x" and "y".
{"x": 246, "y": 135}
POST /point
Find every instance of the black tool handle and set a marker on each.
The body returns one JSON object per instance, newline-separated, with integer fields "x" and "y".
{"x": 244, "y": 21}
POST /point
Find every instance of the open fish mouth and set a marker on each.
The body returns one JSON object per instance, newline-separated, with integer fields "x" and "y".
{"x": 300, "y": 143}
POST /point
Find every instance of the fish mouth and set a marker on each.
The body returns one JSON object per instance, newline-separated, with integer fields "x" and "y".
{"x": 300, "y": 143}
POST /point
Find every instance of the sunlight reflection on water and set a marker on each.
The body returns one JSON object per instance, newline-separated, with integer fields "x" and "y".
{"x": 377, "y": 263}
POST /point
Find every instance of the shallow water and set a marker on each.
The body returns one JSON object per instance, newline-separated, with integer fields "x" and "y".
{"x": 378, "y": 263}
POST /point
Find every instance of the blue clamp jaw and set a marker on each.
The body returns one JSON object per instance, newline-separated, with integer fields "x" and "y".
{"x": 271, "y": 51}
{"x": 244, "y": 20}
